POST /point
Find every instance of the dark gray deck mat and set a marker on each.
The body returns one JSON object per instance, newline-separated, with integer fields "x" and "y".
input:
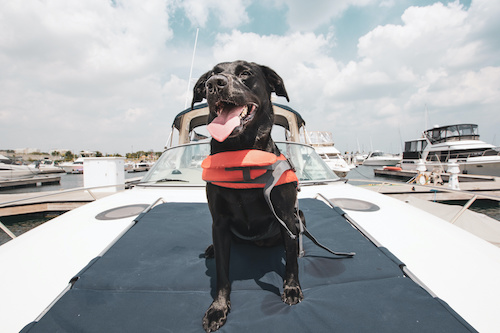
{"x": 154, "y": 279}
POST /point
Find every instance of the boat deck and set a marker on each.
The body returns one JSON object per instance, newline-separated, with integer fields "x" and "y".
{"x": 156, "y": 279}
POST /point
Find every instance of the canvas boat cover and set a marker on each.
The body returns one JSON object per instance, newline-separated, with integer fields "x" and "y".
{"x": 156, "y": 279}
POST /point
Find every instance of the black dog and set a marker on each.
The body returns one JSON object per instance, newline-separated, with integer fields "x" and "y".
{"x": 241, "y": 117}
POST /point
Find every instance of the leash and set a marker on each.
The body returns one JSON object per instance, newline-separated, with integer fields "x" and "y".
{"x": 280, "y": 168}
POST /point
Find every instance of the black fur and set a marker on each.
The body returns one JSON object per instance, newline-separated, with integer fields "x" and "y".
{"x": 245, "y": 212}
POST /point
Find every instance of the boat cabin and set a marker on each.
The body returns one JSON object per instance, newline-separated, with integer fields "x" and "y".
{"x": 186, "y": 122}
{"x": 414, "y": 148}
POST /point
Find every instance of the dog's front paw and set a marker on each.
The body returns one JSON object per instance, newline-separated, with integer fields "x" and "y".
{"x": 216, "y": 315}
{"x": 292, "y": 294}
{"x": 210, "y": 252}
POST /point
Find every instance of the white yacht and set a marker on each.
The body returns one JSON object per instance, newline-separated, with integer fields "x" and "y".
{"x": 47, "y": 166}
{"x": 378, "y": 157}
{"x": 74, "y": 167}
{"x": 9, "y": 170}
{"x": 453, "y": 143}
{"x": 324, "y": 146}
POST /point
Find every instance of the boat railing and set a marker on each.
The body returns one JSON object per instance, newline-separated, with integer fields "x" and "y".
{"x": 473, "y": 196}
{"x": 92, "y": 191}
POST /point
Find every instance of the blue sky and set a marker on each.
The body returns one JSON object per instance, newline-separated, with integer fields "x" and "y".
{"x": 110, "y": 76}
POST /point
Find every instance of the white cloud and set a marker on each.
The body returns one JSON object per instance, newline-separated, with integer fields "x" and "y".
{"x": 113, "y": 75}
{"x": 230, "y": 13}
{"x": 299, "y": 58}
{"x": 76, "y": 66}
{"x": 307, "y": 16}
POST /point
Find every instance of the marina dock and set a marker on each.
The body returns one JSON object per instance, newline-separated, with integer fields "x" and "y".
{"x": 484, "y": 187}
{"x": 409, "y": 174}
{"x": 489, "y": 190}
{"x": 30, "y": 182}
{"x": 54, "y": 201}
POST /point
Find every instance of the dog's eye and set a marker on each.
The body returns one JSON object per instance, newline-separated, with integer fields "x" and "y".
{"x": 245, "y": 74}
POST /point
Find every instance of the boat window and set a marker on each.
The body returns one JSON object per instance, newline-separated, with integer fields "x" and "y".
{"x": 411, "y": 146}
{"x": 453, "y": 133}
{"x": 181, "y": 165}
{"x": 308, "y": 164}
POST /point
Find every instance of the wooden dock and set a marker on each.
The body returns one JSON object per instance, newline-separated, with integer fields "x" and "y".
{"x": 409, "y": 174}
{"x": 30, "y": 182}
{"x": 53, "y": 201}
{"x": 486, "y": 190}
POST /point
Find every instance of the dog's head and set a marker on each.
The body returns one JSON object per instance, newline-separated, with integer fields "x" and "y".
{"x": 239, "y": 98}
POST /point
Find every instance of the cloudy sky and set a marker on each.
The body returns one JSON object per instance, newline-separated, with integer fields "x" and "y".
{"x": 111, "y": 75}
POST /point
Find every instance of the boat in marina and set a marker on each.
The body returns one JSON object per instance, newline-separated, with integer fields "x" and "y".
{"x": 133, "y": 261}
{"x": 47, "y": 166}
{"x": 141, "y": 166}
{"x": 324, "y": 146}
{"x": 9, "y": 170}
{"x": 74, "y": 167}
{"x": 458, "y": 144}
{"x": 379, "y": 158}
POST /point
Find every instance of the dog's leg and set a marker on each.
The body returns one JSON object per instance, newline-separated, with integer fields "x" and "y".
{"x": 216, "y": 315}
{"x": 292, "y": 293}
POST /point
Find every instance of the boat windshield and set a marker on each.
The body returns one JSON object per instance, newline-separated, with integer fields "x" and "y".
{"x": 452, "y": 133}
{"x": 181, "y": 165}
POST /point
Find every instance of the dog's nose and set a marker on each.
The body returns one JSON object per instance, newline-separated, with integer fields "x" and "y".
{"x": 216, "y": 83}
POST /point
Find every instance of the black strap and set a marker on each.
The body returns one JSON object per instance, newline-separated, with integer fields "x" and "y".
{"x": 315, "y": 241}
{"x": 270, "y": 178}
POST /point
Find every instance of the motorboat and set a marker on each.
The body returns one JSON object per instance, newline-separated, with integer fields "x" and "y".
{"x": 141, "y": 166}
{"x": 9, "y": 170}
{"x": 377, "y": 157}
{"x": 324, "y": 146}
{"x": 74, "y": 167}
{"x": 133, "y": 260}
{"x": 458, "y": 144}
{"x": 47, "y": 166}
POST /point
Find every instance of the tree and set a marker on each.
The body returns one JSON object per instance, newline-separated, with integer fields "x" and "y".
{"x": 69, "y": 156}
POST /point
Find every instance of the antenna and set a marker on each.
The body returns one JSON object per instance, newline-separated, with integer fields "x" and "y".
{"x": 191, "y": 70}
{"x": 426, "y": 118}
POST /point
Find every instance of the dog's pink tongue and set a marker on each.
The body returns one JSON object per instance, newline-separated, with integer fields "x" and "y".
{"x": 222, "y": 126}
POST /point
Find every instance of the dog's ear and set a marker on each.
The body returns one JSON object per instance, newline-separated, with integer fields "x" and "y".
{"x": 199, "y": 90}
{"x": 275, "y": 82}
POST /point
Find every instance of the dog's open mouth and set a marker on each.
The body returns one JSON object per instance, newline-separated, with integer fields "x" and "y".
{"x": 229, "y": 116}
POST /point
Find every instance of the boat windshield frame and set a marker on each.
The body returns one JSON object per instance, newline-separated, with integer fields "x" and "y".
{"x": 181, "y": 165}
{"x": 456, "y": 132}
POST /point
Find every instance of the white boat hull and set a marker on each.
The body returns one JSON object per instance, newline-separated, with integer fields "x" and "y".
{"x": 17, "y": 171}
{"x": 381, "y": 162}
{"x": 472, "y": 167}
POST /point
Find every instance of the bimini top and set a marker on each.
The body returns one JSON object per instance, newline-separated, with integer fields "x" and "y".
{"x": 186, "y": 121}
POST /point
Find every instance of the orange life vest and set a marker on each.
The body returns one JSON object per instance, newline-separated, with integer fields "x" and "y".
{"x": 243, "y": 169}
